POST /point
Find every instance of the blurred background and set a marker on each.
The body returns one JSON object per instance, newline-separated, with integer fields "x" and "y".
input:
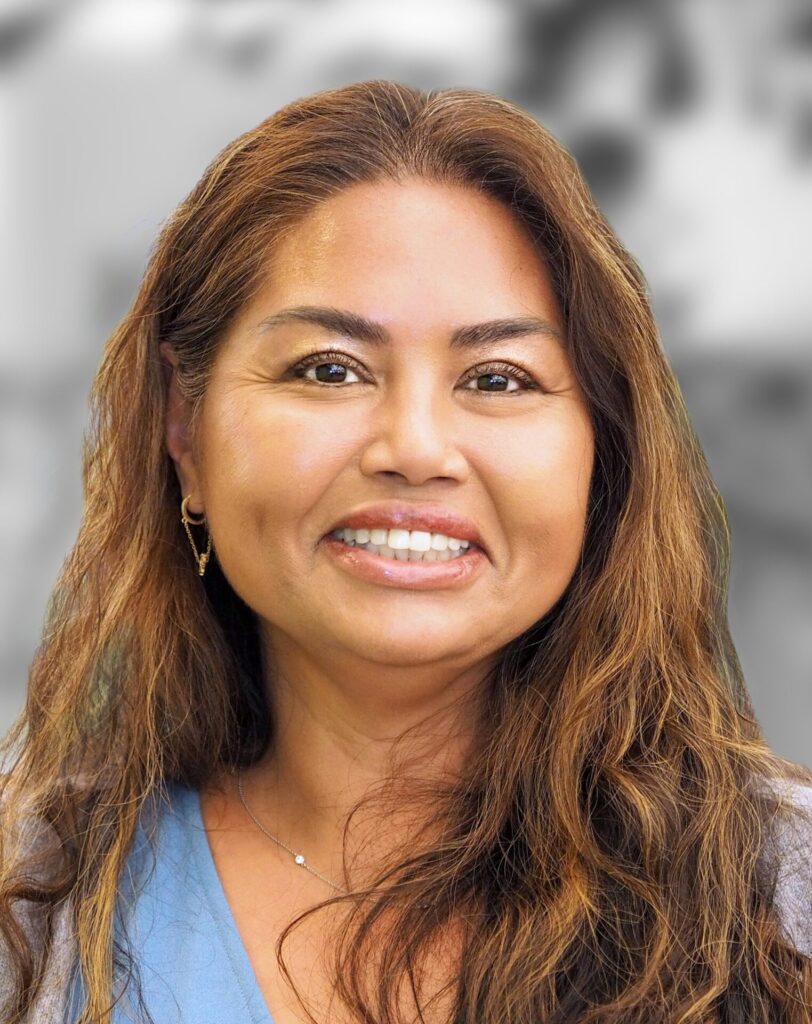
{"x": 691, "y": 119}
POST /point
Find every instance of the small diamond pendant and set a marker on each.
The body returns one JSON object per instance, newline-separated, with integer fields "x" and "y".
{"x": 299, "y": 858}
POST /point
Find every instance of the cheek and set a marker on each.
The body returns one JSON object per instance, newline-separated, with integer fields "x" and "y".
{"x": 545, "y": 490}
{"x": 266, "y": 466}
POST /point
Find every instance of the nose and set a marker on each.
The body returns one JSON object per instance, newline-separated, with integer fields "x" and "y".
{"x": 414, "y": 432}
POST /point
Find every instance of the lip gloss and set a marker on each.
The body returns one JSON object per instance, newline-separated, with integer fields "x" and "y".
{"x": 392, "y": 572}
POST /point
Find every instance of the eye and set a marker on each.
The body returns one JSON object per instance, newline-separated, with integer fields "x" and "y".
{"x": 506, "y": 371}
{"x": 332, "y": 360}
{"x": 338, "y": 362}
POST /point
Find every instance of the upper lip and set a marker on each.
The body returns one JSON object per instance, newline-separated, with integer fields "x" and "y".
{"x": 428, "y": 516}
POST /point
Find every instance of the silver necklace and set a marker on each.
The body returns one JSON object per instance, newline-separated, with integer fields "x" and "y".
{"x": 298, "y": 858}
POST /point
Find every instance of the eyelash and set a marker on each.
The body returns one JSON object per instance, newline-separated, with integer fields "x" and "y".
{"x": 317, "y": 358}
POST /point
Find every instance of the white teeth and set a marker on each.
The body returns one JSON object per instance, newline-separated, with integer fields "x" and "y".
{"x": 408, "y": 541}
{"x": 398, "y": 539}
{"x": 429, "y": 547}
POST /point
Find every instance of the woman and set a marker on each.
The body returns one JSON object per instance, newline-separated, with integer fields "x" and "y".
{"x": 290, "y": 779}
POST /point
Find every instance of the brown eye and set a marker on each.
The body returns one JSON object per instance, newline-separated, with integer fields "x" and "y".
{"x": 500, "y": 375}
{"x": 333, "y": 372}
{"x": 329, "y": 367}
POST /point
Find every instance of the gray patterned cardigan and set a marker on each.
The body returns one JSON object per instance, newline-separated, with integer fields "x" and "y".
{"x": 794, "y": 899}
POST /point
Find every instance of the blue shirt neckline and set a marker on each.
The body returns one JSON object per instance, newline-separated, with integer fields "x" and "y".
{"x": 190, "y": 807}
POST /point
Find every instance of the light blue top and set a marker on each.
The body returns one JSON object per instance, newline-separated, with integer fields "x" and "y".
{"x": 193, "y": 965}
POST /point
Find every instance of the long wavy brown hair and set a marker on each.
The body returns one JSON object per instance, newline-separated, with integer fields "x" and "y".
{"x": 612, "y": 840}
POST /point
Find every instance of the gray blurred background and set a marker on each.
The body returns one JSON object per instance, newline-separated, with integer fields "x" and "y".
{"x": 692, "y": 121}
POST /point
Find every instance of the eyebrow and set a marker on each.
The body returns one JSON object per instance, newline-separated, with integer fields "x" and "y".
{"x": 352, "y": 325}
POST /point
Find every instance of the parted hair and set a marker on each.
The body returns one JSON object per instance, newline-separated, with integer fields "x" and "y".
{"x": 609, "y": 851}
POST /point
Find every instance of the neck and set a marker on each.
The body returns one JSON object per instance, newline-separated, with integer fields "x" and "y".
{"x": 342, "y": 739}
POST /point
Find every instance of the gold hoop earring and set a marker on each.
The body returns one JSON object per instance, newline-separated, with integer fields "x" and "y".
{"x": 202, "y": 560}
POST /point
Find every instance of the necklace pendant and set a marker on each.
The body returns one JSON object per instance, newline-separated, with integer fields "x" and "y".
{"x": 299, "y": 858}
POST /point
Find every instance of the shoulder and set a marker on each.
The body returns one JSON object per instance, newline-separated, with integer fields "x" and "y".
{"x": 793, "y": 846}
{"x": 31, "y": 838}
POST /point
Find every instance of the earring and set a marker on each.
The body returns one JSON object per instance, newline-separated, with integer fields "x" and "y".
{"x": 202, "y": 560}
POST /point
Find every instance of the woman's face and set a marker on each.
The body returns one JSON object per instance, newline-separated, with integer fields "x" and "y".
{"x": 285, "y": 455}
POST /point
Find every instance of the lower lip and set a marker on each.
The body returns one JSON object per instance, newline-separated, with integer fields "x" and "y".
{"x": 392, "y": 572}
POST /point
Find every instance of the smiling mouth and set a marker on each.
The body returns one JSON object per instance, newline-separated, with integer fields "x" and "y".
{"x": 406, "y": 569}
{"x": 383, "y": 551}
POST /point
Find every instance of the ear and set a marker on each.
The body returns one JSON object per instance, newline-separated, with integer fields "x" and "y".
{"x": 178, "y": 443}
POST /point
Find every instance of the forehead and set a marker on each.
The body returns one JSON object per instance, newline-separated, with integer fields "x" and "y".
{"x": 399, "y": 248}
